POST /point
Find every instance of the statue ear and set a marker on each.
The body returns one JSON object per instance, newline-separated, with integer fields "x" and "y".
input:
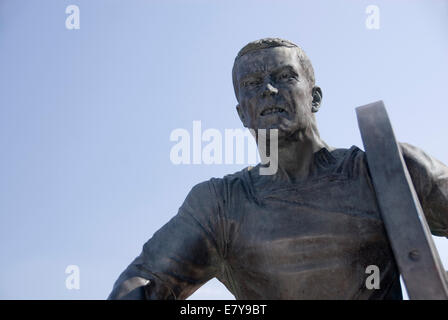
{"x": 317, "y": 99}
{"x": 241, "y": 115}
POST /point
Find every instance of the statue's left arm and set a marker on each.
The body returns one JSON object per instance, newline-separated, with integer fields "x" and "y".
{"x": 430, "y": 179}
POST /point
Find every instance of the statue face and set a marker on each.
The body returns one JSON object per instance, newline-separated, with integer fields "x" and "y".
{"x": 274, "y": 92}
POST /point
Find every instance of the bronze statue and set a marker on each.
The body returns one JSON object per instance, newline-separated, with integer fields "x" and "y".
{"x": 309, "y": 231}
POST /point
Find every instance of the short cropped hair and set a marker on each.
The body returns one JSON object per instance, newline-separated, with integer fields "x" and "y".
{"x": 271, "y": 43}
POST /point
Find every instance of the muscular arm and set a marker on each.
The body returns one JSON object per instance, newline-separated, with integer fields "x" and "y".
{"x": 430, "y": 179}
{"x": 180, "y": 257}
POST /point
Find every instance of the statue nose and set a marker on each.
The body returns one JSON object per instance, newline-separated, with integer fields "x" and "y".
{"x": 269, "y": 90}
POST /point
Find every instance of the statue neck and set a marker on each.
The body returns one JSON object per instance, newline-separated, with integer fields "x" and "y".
{"x": 296, "y": 154}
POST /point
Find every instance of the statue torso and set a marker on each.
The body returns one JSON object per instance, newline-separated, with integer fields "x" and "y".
{"x": 308, "y": 240}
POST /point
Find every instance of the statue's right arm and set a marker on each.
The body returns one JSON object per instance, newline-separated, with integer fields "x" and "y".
{"x": 181, "y": 256}
{"x": 132, "y": 288}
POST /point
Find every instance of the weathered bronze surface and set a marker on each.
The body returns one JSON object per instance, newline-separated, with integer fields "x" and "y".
{"x": 406, "y": 226}
{"x": 309, "y": 231}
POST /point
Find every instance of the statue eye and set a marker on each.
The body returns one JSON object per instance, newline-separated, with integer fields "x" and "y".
{"x": 251, "y": 82}
{"x": 285, "y": 75}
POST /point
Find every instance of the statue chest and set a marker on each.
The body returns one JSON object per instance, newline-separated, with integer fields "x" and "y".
{"x": 312, "y": 239}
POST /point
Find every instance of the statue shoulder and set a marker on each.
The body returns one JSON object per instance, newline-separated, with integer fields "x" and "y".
{"x": 220, "y": 192}
{"x": 424, "y": 169}
{"x": 348, "y": 161}
{"x": 342, "y": 153}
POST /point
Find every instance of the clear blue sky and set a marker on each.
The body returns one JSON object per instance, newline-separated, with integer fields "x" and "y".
{"x": 86, "y": 115}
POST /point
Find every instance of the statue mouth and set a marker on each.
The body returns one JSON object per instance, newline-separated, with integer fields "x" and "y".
{"x": 273, "y": 110}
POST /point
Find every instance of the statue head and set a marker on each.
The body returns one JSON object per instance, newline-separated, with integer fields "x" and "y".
{"x": 275, "y": 87}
